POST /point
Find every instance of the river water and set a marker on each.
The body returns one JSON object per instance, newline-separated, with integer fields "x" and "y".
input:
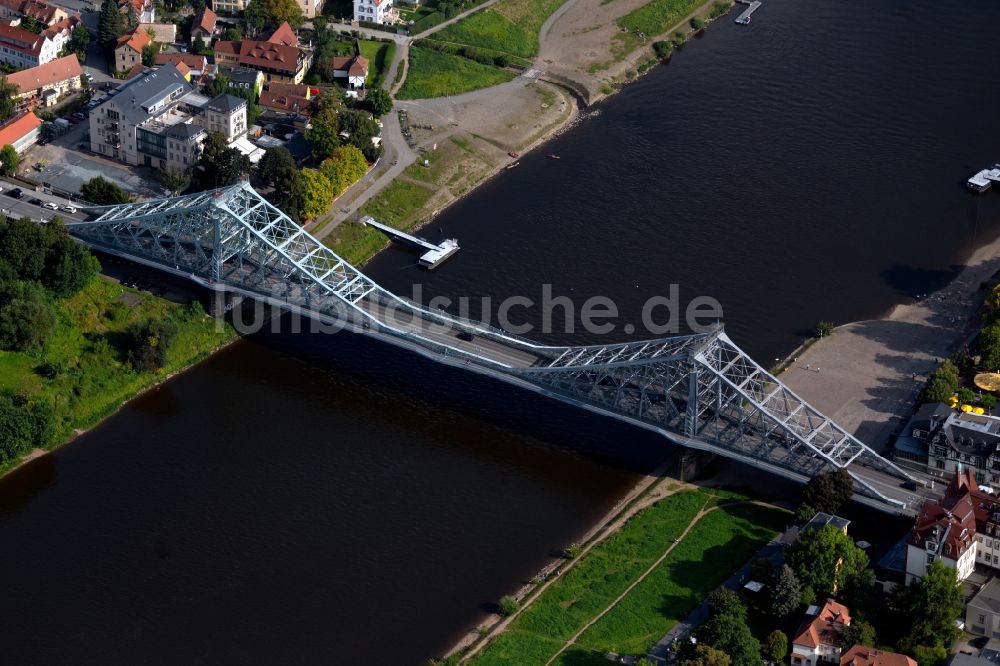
{"x": 310, "y": 499}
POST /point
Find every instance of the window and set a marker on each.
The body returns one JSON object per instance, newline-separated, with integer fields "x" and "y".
{"x": 939, "y": 463}
{"x": 981, "y": 621}
{"x": 930, "y": 558}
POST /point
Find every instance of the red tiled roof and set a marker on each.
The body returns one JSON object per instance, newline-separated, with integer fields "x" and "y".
{"x": 69, "y": 24}
{"x": 182, "y": 68}
{"x": 192, "y": 60}
{"x": 20, "y": 40}
{"x": 824, "y": 629}
{"x": 232, "y": 48}
{"x": 955, "y": 519}
{"x": 136, "y": 70}
{"x": 284, "y": 34}
{"x": 137, "y": 41}
{"x": 859, "y": 655}
{"x": 293, "y": 89}
{"x": 355, "y": 65}
{"x": 18, "y": 128}
{"x": 39, "y": 11}
{"x": 280, "y": 102}
{"x": 60, "y": 69}
{"x": 265, "y": 54}
{"x": 205, "y": 20}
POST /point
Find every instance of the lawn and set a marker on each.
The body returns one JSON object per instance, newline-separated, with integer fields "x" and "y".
{"x": 509, "y": 26}
{"x": 490, "y": 30}
{"x": 587, "y": 588}
{"x": 433, "y": 74}
{"x": 718, "y": 545}
{"x": 379, "y": 55}
{"x": 654, "y": 18}
{"x": 395, "y": 205}
{"x": 87, "y": 377}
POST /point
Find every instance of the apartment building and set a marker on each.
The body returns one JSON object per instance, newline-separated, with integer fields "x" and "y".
{"x": 45, "y": 84}
{"x": 21, "y": 48}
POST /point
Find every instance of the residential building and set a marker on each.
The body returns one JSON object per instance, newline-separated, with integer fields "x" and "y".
{"x": 204, "y": 25}
{"x": 859, "y": 655}
{"x": 20, "y": 132}
{"x": 277, "y": 62}
{"x": 961, "y": 529}
{"x": 144, "y": 123}
{"x": 226, "y": 114}
{"x": 966, "y": 440}
{"x": 982, "y": 613}
{"x": 46, "y": 83}
{"x": 294, "y": 98}
{"x": 283, "y": 35}
{"x": 144, "y": 9}
{"x": 351, "y": 71}
{"x": 243, "y": 79}
{"x": 310, "y": 8}
{"x": 375, "y": 11}
{"x": 61, "y": 32}
{"x": 229, "y": 6}
{"x": 818, "y": 640}
{"x": 21, "y": 48}
{"x": 196, "y": 64}
{"x": 42, "y": 12}
{"x": 128, "y": 51}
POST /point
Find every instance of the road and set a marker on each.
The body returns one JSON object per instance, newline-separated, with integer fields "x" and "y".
{"x": 17, "y": 208}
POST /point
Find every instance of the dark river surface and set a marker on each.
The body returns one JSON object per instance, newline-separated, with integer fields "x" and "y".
{"x": 316, "y": 499}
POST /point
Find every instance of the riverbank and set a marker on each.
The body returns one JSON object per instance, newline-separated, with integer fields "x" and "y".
{"x": 868, "y": 374}
{"x": 84, "y": 377}
{"x": 494, "y": 128}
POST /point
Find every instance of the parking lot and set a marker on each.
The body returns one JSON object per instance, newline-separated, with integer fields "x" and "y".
{"x": 69, "y": 164}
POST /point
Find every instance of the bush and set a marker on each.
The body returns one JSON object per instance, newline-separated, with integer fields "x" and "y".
{"x": 102, "y": 192}
{"x": 148, "y": 343}
{"x": 679, "y": 38}
{"x": 942, "y": 383}
{"x": 775, "y": 645}
{"x": 27, "y": 316}
{"x": 24, "y": 425}
{"x": 508, "y": 605}
{"x": 697, "y": 23}
{"x": 824, "y": 329}
{"x": 718, "y": 9}
{"x": 663, "y": 49}
{"x": 966, "y": 395}
{"x": 572, "y": 552}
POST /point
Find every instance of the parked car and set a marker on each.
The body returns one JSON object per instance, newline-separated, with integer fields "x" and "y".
{"x": 69, "y": 208}
{"x": 75, "y": 121}
{"x": 79, "y": 115}
{"x": 50, "y": 205}
{"x": 16, "y": 193}
{"x": 35, "y": 202}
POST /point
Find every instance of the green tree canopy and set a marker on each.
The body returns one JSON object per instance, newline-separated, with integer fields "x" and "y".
{"x": 79, "y": 42}
{"x": 727, "y": 630}
{"x": 7, "y": 104}
{"x": 825, "y": 558}
{"x": 277, "y": 169}
{"x": 360, "y": 128}
{"x": 775, "y": 645}
{"x": 786, "y": 592}
{"x": 148, "y": 343}
{"x": 322, "y": 136}
{"x": 219, "y": 165}
{"x": 943, "y": 382}
{"x": 317, "y": 193}
{"x": 111, "y": 24}
{"x": 344, "y": 168}
{"x": 149, "y": 52}
{"x": 27, "y": 316}
{"x": 928, "y": 607}
{"x": 858, "y": 632}
{"x": 706, "y": 655}
{"x": 829, "y": 491}
{"x": 9, "y": 160}
{"x": 378, "y": 101}
{"x": 24, "y": 425}
{"x": 103, "y": 192}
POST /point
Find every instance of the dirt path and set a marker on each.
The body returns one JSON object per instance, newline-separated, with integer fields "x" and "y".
{"x": 694, "y": 521}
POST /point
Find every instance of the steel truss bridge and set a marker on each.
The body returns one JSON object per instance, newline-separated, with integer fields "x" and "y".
{"x": 699, "y": 391}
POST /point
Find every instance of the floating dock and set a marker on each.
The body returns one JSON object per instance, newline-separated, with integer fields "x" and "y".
{"x": 983, "y": 180}
{"x": 433, "y": 254}
{"x": 752, "y": 6}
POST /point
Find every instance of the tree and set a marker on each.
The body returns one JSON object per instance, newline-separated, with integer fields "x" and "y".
{"x": 9, "y": 160}
{"x": 149, "y": 52}
{"x": 930, "y": 656}
{"x": 277, "y": 169}
{"x": 7, "y": 104}
{"x": 825, "y": 559}
{"x": 858, "y": 632}
{"x": 829, "y": 491}
{"x": 943, "y": 382}
{"x": 234, "y": 33}
{"x": 824, "y": 329}
{"x": 988, "y": 401}
{"x": 929, "y": 606}
{"x": 508, "y": 605}
{"x": 317, "y": 193}
{"x": 148, "y": 343}
{"x": 175, "y": 180}
{"x": 966, "y": 394}
{"x": 111, "y": 24}
{"x": 79, "y": 42}
{"x": 761, "y": 569}
{"x": 378, "y": 101}
{"x": 255, "y": 15}
{"x": 344, "y": 168}
{"x": 199, "y": 46}
{"x": 31, "y": 24}
{"x": 323, "y": 135}
{"x": 706, "y": 655}
{"x": 69, "y": 266}
{"x": 131, "y": 18}
{"x": 786, "y": 592}
{"x": 989, "y": 346}
{"x": 775, "y": 645}
{"x": 724, "y": 601}
{"x": 27, "y": 317}
{"x": 24, "y": 424}
{"x": 727, "y": 630}
{"x": 103, "y": 192}
{"x": 219, "y": 165}
{"x": 219, "y": 85}
{"x": 283, "y": 11}
{"x": 361, "y": 128}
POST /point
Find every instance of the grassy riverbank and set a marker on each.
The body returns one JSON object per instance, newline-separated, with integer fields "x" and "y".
{"x": 716, "y": 545}
{"x": 82, "y": 374}
{"x": 434, "y": 74}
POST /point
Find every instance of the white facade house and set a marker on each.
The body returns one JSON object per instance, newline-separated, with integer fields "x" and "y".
{"x": 24, "y": 49}
{"x": 818, "y": 640}
{"x": 374, "y": 11}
